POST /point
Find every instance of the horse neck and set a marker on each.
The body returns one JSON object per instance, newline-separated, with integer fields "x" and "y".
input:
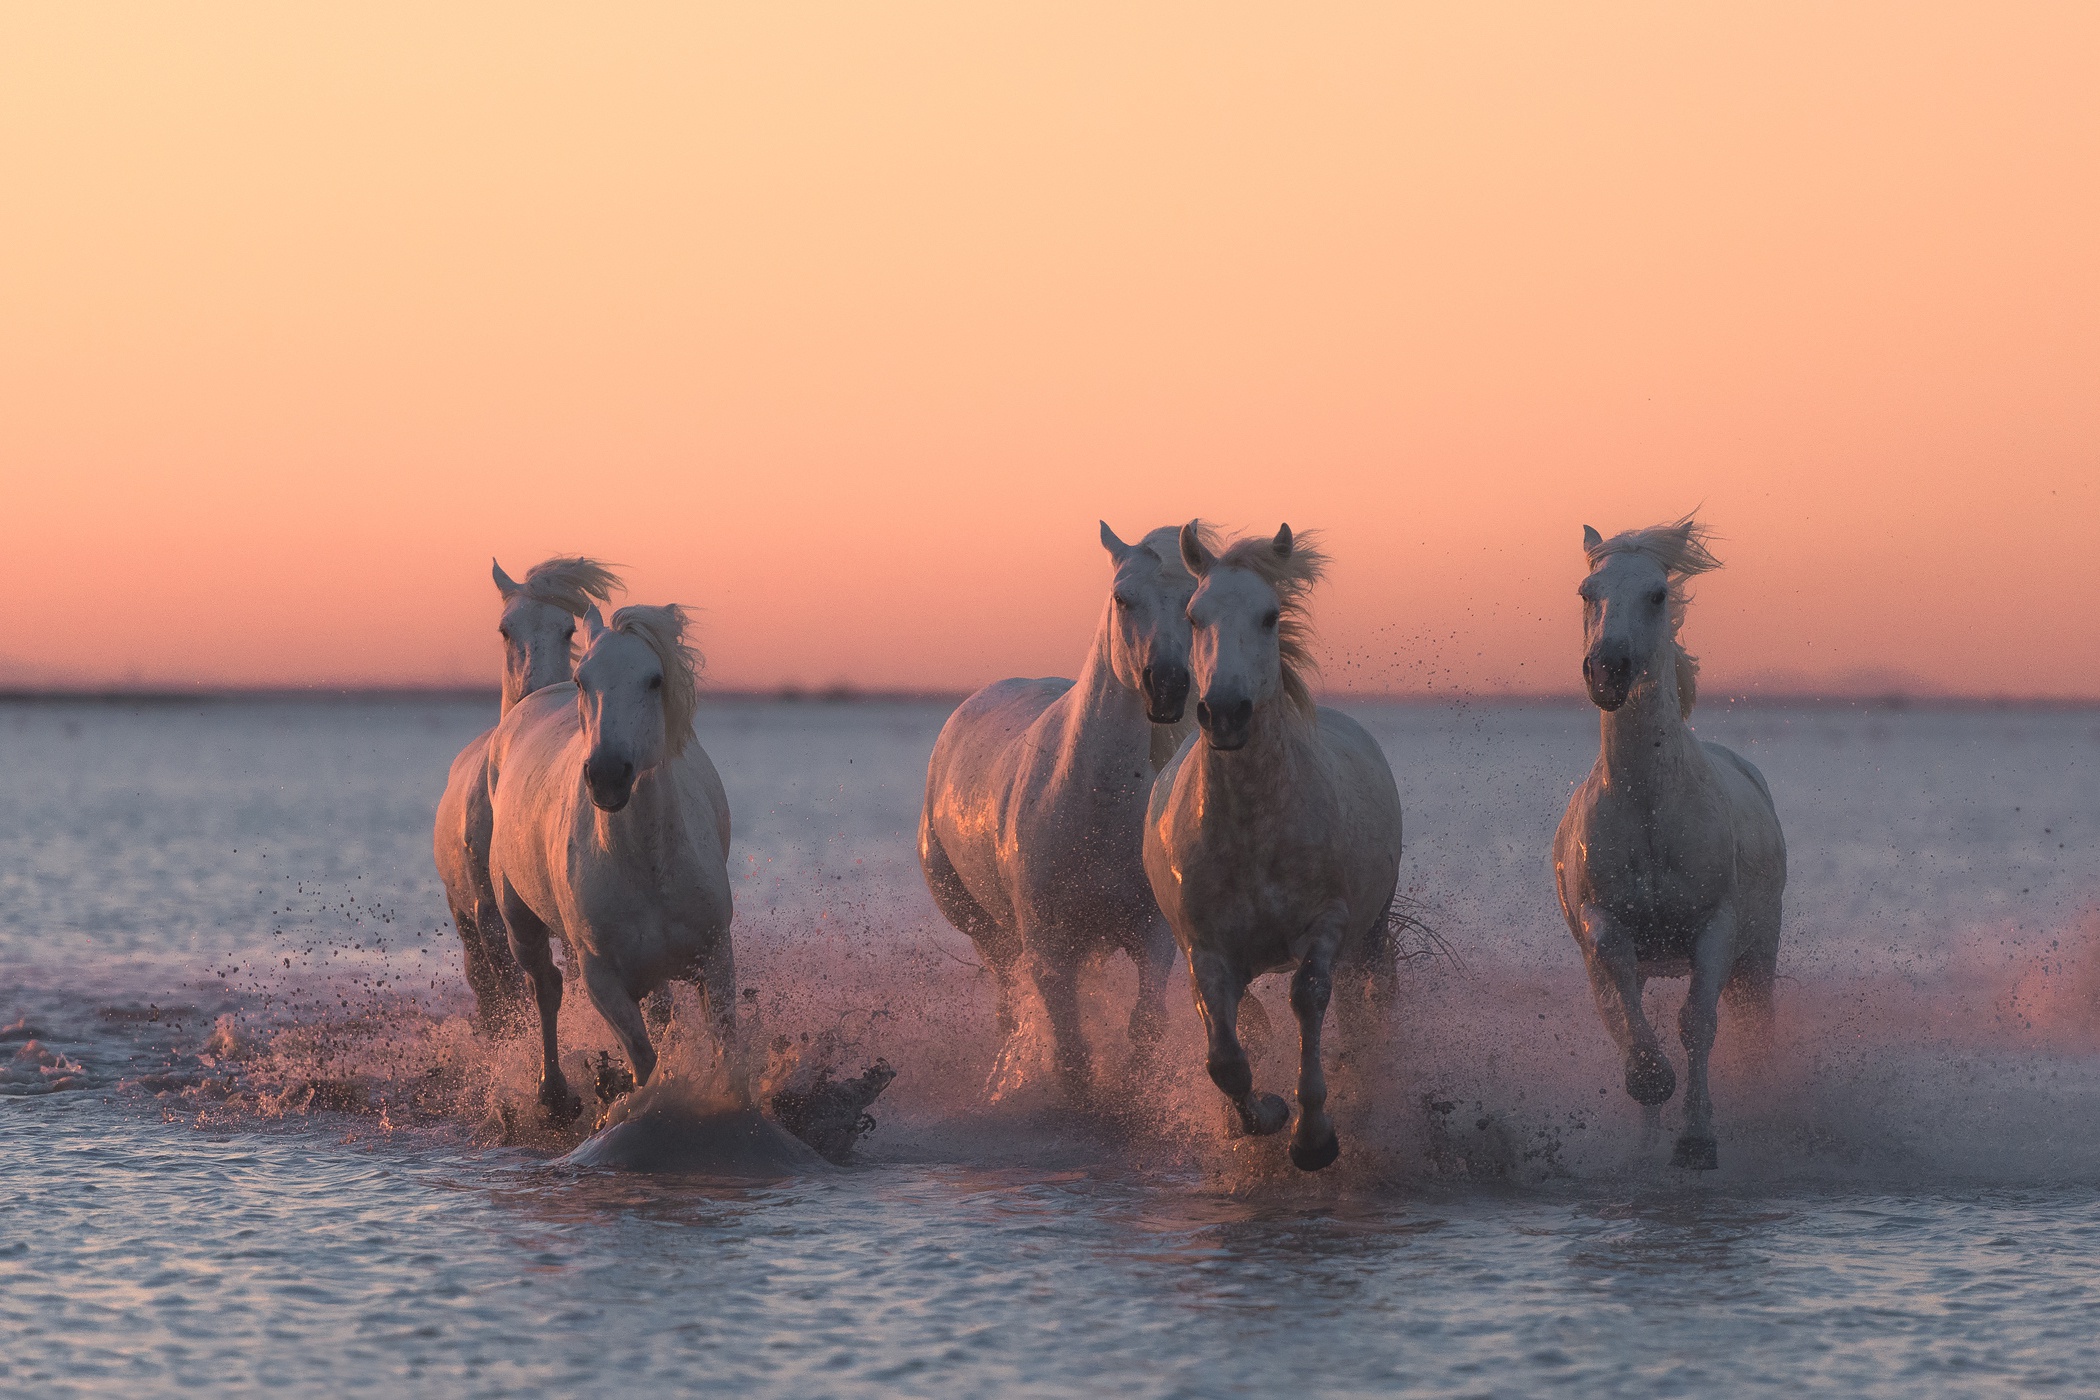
{"x": 639, "y": 830}
{"x": 1255, "y": 774}
{"x": 1645, "y": 739}
{"x": 1102, "y": 708}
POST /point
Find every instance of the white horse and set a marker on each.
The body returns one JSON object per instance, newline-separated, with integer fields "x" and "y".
{"x": 538, "y": 629}
{"x": 1670, "y": 860}
{"x": 1035, "y": 804}
{"x": 1273, "y": 838}
{"x": 612, "y": 834}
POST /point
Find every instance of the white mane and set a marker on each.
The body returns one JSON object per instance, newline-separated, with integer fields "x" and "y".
{"x": 1680, "y": 548}
{"x": 570, "y": 582}
{"x": 664, "y": 630}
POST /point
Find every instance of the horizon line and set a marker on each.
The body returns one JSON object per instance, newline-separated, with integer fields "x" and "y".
{"x": 840, "y": 693}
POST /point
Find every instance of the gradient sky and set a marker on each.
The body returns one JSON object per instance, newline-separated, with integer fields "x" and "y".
{"x": 846, "y": 323}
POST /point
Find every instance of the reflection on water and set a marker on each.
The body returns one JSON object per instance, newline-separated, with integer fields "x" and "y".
{"x": 246, "y": 1141}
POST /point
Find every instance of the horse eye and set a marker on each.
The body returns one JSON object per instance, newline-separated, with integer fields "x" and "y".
{"x": 1269, "y": 620}
{"x": 503, "y": 632}
{"x": 656, "y": 682}
{"x": 1658, "y": 597}
{"x": 569, "y": 635}
{"x": 1121, "y": 601}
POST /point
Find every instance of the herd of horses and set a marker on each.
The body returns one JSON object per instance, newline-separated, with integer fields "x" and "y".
{"x": 1068, "y": 819}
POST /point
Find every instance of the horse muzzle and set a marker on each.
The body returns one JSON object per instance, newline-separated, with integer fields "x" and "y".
{"x": 1166, "y": 690}
{"x": 1610, "y": 680}
{"x": 1227, "y": 725}
{"x": 611, "y": 782}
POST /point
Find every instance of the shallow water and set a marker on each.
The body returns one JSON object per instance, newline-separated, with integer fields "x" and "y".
{"x": 247, "y": 1140}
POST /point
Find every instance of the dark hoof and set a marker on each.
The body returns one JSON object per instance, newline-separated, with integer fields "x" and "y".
{"x": 612, "y": 1081}
{"x": 1260, "y": 1115}
{"x": 561, "y": 1105}
{"x": 1649, "y": 1078}
{"x": 1696, "y": 1154}
{"x": 1320, "y": 1154}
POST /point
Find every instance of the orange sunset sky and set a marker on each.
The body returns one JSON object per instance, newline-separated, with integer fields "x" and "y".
{"x": 845, "y": 323}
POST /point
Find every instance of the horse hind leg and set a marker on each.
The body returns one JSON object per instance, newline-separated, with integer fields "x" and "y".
{"x": 528, "y": 941}
{"x": 1154, "y": 955}
{"x": 998, "y": 946}
{"x": 1218, "y": 990}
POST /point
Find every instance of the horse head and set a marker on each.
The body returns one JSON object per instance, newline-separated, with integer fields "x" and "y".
{"x": 1249, "y": 636}
{"x": 539, "y": 620}
{"x": 636, "y": 691}
{"x": 1633, "y": 602}
{"x": 1148, "y": 624}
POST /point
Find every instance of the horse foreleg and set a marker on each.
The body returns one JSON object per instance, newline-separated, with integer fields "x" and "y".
{"x": 608, "y": 992}
{"x": 1154, "y": 955}
{"x": 1218, "y": 990}
{"x": 1314, "y": 1144}
{"x": 1615, "y": 980}
{"x": 1711, "y": 958}
{"x": 528, "y": 942}
{"x": 716, "y": 976}
{"x": 1057, "y": 982}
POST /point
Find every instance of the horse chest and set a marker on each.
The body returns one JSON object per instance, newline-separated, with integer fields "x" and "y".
{"x": 1663, "y": 886}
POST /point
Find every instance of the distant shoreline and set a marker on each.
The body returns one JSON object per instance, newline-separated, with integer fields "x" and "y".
{"x": 848, "y": 695}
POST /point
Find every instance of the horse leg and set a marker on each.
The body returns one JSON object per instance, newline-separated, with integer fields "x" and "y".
{"x": 1748, "y": 993}
{"x": 715, "y": 975}
{"x": 1314, "y": 1145}
{"x": 528, "y": 941}
{"x": 1368, "y": 969}
{"x": 622, "y": 1012}
{"x": 1710, "y": 965}
{"x": 1154, "y": 956}
{"x": 1057, "y": 982}
{"x": 1218, "y": 989}
{"x": 1615, "y": 980}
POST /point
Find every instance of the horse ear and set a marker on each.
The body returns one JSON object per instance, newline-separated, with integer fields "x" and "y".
{"x": 1282, "y": 543}
{"x": 1117, "y": 550}
{"x": 1193, "y": 553}
{"x": 505, "y": 585}
{"x": 1591, "y": 539}
{"x": 593, "y": 624}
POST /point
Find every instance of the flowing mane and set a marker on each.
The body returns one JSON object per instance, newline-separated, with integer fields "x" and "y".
{"x": 1292, "y": 576}
{"x": 1680, "y": 548}
{"x": 570, "y": 582}
{"x": 664, "y": 630}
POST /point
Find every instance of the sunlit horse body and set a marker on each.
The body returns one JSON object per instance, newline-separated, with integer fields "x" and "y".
{"x": 1670, "y": 860}
{"x": 1035, "y": 805}
{"x": 612, "y": 834}
{"x": 538, "y": 629}
{"x": 1273, "y": 839}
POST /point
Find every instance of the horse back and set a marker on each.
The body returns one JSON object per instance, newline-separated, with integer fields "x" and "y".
{"x": 969, "y": 776}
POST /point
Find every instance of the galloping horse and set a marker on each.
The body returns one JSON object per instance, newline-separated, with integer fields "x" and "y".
{"x": 612, "y": 833}
{"x": 1273, "y": 838}
{"x": 1035, "y": 804}
{"x": 538, "y": 630}
{"x": 1670, "y": 860}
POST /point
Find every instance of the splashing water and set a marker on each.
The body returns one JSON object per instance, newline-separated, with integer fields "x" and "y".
{"x": 234, "y": 1051}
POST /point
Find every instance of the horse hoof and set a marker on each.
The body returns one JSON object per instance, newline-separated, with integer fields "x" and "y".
{"x": 1312, "y": 1157}
{"x": 561, "y": 1105}
{"x": 1263, "y": 1114}
{"x": 1699, "y": 1154}
{"x": 1649, "y": 1078}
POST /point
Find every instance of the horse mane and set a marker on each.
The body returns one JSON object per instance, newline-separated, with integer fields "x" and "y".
{"x": 1680, "y": 548}
{"x": 1292, "y": 577}
{"x": 1164, "y": 544}
{"x": 664, "y": 630}
{"x": 570, "y": 582}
